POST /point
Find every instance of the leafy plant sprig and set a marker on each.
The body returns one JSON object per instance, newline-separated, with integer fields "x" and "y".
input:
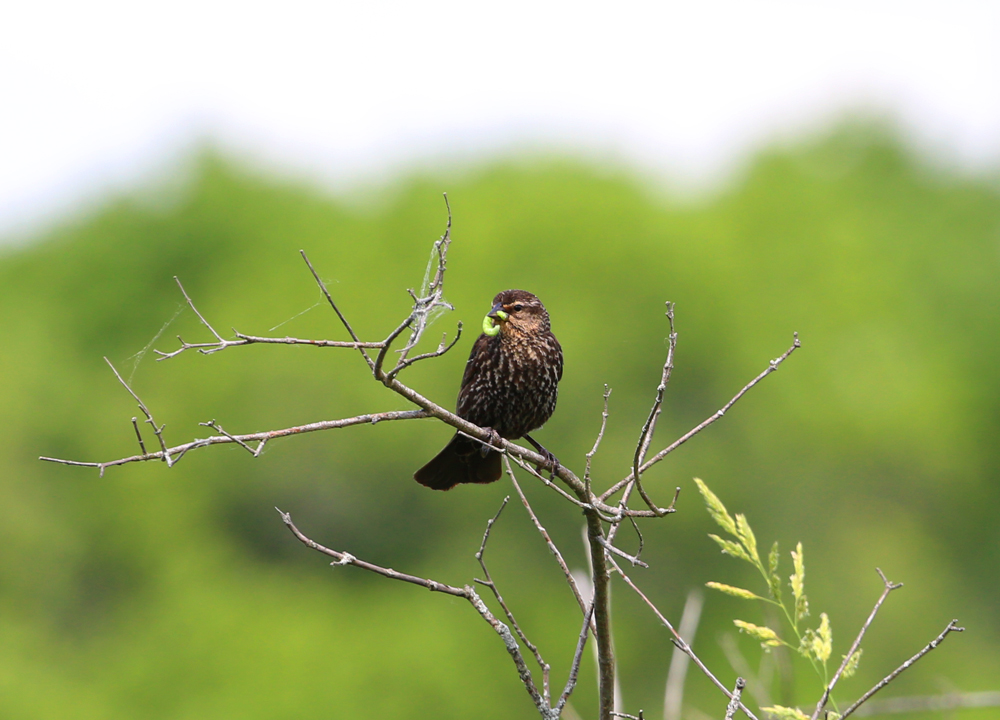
{"x": 816, "y": 645}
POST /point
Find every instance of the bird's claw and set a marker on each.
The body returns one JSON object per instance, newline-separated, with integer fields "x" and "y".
{"x": 551, "y": 463}
{"x": 494, "y": 443}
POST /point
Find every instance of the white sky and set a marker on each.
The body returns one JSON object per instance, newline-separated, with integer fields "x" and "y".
{"x": 99, "y": 94}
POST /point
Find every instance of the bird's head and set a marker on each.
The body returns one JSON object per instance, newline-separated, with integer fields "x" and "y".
{"x": 515, "y": 311}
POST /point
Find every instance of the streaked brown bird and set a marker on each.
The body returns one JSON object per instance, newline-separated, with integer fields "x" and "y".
{"x": 510, "y": 384}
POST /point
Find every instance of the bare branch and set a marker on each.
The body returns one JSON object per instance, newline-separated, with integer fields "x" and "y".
{"x": 200, "y": 316}
{"x": 634, "y": 559}
{"x": 261, "y": 437}
{"x": 646, "y": 436}
{"x": 755, "y": 686}
{"x": 548, "y": 540}
{"x": 889, "y": 587}
{"x": 952, "y": 627}
{"x": 329, "y": 299}
{"x": 157, "y": 429}
{"x": 343, "y": 558}
{"x": 488, "y": 582}
{"x": 515, "y": 653}
{"x": 442, "y": 349}
{"x": 609, "y": 514}
{"x": 734, "y": 701}
{"x": 774, "y": 365}
{"x": 432, "y": 290}
{"x": 221, "y": 343}
{"x": 218, "y": 428}
{"x": 377, "y": 370}
{"x": 597, "y": 442}
{"x": 679, "y": 641}
{"x": 210, "y": 348}
{"x": 635, "y": 526}
{"x": 138, "y": 436}
{"x": 577, "y": 657}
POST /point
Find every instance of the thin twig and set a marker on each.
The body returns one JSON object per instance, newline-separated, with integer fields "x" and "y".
{"x": 138, "y": 436}
{"x": 634, "y": 559}
{"x": 221, "y": 343}
{"x": 638, "y": 532}
{"x": 888, "y": 588}
{"x": 262, "y": 437}
{"x": 597, "y": 441}
{"x": 679, "y": 641}
{"x": 343, "y": 558}
{"x": 606, "y": 515}
{"x": 214, "y": 347}
{"x": 329, "y": 299}
{"x": 200, "y": 316}
{"x": 952, "y": 627}
{"x": 218, "y": 428}
{"x": 646, "y": 436}
{"x": 577, "y": 657}
{"x": 774, "y": 365}
{"x": 547, "y": 538}
{"x": 157, "y": 429}
{"x": 755, "y": 686}
{"x": 734, "y": 701}
{"x": 432, "y": 290}
{"x": 488, "y": 582}
{"x": 380, "y": 358}
{"x": 442, "y": 349}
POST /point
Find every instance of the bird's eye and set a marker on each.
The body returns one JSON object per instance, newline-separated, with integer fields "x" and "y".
{"x": 518, "y": 308}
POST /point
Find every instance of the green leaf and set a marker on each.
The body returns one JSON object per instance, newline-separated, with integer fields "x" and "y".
{"x": 731, "y": 548}
{"x": 767, "y": 636}
{"x": 734, "y": 591}
{"x": 716, "y": 509}
{"x": 746, "y": 536}
{"x": 779, "y": 712}
{"x": 852, "y": 664}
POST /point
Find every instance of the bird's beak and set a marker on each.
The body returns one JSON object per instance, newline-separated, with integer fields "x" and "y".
{"x": 497, "y": 312}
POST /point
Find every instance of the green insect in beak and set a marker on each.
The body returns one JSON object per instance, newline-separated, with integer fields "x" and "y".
{"x": 488, "y": 327}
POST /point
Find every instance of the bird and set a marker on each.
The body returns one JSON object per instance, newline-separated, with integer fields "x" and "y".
{"x": 509, "y": 386}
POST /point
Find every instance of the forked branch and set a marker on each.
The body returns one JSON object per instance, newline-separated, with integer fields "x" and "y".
{"x": 774, "y": 365}
{"x": 541, "y": 701}
{"x": 952, "y": 627}
{"x": 888, "y": 587}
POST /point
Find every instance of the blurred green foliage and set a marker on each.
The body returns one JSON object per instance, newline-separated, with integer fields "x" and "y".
{"x": 178, "y": 594}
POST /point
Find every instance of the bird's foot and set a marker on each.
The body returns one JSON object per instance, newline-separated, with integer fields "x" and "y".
{"x": 551, "y": 462}
{"x": 493, "y": 443}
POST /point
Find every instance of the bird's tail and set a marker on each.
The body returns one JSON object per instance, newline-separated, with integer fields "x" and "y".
{"x": 461, "y": 461}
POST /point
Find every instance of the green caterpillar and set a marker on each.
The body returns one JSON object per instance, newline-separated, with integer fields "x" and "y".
{"x": 489, "y": 328}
